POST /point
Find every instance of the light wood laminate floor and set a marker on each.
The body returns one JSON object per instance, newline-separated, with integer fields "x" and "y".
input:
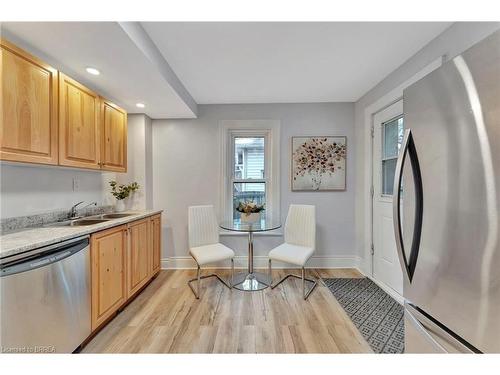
{"x": 166, "y": 318}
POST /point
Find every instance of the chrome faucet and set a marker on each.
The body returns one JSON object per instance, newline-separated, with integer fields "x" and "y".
{"x": 72, "y": 211}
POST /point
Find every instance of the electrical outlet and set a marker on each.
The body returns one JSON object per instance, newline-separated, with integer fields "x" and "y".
{"x": 76, "y": 184}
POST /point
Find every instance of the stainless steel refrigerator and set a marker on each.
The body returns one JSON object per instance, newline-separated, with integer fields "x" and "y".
{"x": 447, "y": 203}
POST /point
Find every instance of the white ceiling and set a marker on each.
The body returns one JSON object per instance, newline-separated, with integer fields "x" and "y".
{"x": 287, "y": 62}
{"x": 127, "y": 75}
{"x": 223, "y": 62}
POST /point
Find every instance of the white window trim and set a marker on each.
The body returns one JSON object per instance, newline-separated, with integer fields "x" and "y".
{"x": 228, "y": 130}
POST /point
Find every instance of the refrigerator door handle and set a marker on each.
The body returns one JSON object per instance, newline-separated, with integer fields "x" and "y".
{"x": 421, "y": 322}
{"x": 408, "y": 148}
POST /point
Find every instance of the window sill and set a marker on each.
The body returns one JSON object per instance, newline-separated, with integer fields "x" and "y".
{"x": 271, "y": 233}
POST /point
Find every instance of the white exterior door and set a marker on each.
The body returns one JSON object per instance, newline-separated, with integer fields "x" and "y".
{"x": 387, "y": 137}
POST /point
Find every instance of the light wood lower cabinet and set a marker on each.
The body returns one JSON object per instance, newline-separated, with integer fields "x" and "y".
{"x": 155, "y": 223}
{"x": 108, "y": 258}
{"x": 138, "y": 256}
{"x": 124, "y": 259}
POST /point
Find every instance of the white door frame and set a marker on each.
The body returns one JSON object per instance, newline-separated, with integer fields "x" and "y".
{"x": 370, "y": 111}
{"x": 393, "y": 282}
{"x": 374, "y": 128}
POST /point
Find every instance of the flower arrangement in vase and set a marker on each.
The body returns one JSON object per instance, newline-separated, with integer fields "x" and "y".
{"x": 250, "y": 211}
{"x": 121, "y": 192}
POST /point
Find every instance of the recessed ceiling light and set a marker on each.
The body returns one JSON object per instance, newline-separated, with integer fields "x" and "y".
{"x": 140, "y": 105}
{"x": 93, "y": 71}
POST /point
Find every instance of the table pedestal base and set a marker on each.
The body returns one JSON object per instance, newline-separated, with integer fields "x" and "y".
{"x": 251, "y": 281}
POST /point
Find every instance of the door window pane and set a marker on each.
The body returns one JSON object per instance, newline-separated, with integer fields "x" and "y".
{"x": 388, "y": 171}
{"x": 248, "y": 192}
{"x": 393, "y": 137}
{"x": 249, "y": 157}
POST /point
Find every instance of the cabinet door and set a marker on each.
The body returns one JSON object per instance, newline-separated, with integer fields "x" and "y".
{"x": 114, "y": 139}
{"x": 108, "y": 258}
{"x": 156, "y": 243}
{"x": 28, "y": 129}
{"x": 138, "y": 259}
{"x": 79, "y": 108}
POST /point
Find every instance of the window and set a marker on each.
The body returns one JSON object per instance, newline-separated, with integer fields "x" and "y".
{"x": 249, "y": 178}
{"x": 392, "y": 137}
{"x": 250, "y": 159}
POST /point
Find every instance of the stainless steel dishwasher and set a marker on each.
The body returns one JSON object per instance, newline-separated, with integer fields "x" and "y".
{"x": 45, "y": 298}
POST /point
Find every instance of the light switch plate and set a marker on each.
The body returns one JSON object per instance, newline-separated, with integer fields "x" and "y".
{"x": 76, "y": 184}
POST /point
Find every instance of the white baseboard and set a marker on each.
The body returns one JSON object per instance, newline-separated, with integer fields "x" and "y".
{"x": 261, "y": 261}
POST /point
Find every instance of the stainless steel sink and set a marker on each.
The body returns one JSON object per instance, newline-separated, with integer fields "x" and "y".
{"x": 89, "y": 220}
{"x": 77, "y": 223}
{"x": 82, "y": 222}
{"x": 115, "y": 216}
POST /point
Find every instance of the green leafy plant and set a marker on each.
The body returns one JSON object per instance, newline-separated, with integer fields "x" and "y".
{"x": 250, "y": 207}
{"x": 122, "y": 191}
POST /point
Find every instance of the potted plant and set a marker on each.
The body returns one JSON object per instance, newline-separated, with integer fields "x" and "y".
{"x": 121, "y": 192}
{"x": 250, "y": 211}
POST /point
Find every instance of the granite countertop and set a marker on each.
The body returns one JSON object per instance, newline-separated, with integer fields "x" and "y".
{"x": 31, "y": 238}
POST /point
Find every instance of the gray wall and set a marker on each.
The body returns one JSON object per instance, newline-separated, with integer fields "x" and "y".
{"x": 186, "y": 172}
{"x": 451, "y": 42}
{"x": 140, "y": 156}
{"x": 30, "y": 189}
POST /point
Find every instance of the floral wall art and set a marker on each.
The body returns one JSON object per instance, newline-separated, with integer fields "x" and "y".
{"x": 318, "y": 163}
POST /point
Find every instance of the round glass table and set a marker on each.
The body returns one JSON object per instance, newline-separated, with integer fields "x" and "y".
{"x": 251, "y": 280}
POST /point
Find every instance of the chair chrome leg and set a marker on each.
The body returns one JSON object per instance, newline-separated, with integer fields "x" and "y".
{"x": 306, "y": 294}
{"x": 303, "y": 282}
{"x": 199, "y": 282}
{"x": 318, "y": 276}
{"x": 198, "y": 279}
{"x": 303, "y": 278}
{"x": 197, "y": 291}
{"x": 232, "y": 273}
{"x": 270, "y": 273}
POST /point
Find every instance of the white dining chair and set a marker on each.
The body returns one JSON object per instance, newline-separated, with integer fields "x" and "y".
{"x": 299, "y": 246}
{"x": 204, "y": 245}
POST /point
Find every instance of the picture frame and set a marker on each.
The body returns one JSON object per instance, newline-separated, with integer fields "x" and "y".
{"x": 318, "y": 163}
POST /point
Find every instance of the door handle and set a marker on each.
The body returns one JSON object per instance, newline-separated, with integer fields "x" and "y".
{"x": 408, "y": 149}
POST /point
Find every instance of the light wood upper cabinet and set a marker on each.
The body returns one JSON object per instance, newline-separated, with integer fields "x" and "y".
{"x": 114, "y": 137}
{"x": 155, "y": 244}
{"x": 108, "y": 261}
{"x": 49, "y": 118}
{"x": 138, "y": 255}
{"x": 28, "y": 129}
{"x": 79, "y": 123}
